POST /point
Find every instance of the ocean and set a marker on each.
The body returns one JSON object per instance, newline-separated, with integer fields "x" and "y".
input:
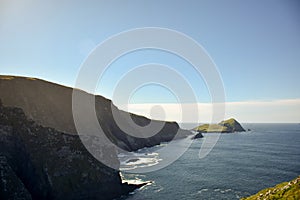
{"x": 239, "y": 165}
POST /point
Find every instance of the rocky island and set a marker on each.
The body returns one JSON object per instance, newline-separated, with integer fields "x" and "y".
{"x": 226, "y": 126}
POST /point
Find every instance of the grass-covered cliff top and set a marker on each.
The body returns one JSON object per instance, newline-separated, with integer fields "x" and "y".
{"x": 211, "y": 128}
{"x": 226, "y": 126}
{"x": 287, "y": 190}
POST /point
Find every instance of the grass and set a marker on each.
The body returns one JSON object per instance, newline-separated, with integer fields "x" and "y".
{"x": 226, "y": 126}
{"x": 7, "y": 77}
{"x": 211, "y": 128}
{"x": 287, "y": 190}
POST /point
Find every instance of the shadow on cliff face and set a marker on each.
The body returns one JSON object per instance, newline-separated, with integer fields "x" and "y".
{"x": 50, "y": 105}
{"x": 37, "y": 162}
{"x": 52, "y": 163}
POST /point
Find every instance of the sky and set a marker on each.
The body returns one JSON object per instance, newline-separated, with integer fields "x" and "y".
{"x": 255, "y": 46}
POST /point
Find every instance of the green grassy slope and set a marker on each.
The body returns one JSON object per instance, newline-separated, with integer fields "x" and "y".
{"x": 287, "y": 190}
{"x": 226, "y": 126}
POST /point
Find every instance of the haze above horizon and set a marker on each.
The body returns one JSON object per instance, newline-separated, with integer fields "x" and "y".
{"x": 255, "y": 46}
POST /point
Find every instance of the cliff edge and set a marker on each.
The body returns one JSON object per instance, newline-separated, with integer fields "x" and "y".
{"x": 37, "y": 162}
{"x": 50, "y": 105}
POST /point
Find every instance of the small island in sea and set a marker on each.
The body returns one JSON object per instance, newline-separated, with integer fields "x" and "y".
{"x": 227, "y": 126}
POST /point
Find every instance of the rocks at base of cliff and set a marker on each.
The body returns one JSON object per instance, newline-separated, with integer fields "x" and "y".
{"x": 41, "y": 163}
{"x": 198, "y": 135}
{"x": 226, "y": 126}
{"x": 132, "y": 160}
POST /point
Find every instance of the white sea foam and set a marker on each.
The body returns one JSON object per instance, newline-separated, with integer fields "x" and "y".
{"x": 149, "y": 156}
{"x": 142, "y": 158}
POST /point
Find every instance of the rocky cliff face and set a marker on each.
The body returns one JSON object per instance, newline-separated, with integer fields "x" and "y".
{"x": 232, "y": 125}
{"x": 50, "y": 105}
{"x": 41, "y": 163}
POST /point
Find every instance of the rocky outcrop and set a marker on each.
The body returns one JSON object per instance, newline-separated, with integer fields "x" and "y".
{"x": 286, "y": 190}
{"x": 198, "y": 135}
{"x": 42, "y": 163}
{"x": 11, "y": 186}
{"x": 226, "y": 126}
{"x": 232, "y": 125}
{"x": 50, "y": 105}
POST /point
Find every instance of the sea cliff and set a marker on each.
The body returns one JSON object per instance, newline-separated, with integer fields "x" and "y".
{"x": 41, "y": 154}
{"x": 50, "y": 105}
{"x": 39, "y": 162}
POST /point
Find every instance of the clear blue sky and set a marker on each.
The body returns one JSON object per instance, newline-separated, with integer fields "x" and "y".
{"x": 255, "y": 44}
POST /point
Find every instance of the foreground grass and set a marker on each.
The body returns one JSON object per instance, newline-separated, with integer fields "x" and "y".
{"x": 287, "y": 190}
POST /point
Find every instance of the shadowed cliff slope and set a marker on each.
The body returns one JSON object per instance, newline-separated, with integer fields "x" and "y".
{"x": 41, "y": 163}
{"x": 50, "y": 105}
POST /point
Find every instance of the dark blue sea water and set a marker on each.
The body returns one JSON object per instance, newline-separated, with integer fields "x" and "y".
{"x": 240, "y": 164}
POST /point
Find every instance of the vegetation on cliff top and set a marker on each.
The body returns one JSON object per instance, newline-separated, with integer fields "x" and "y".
{"x": 286, "y": 190}
{"x": 50, "y": 105}
{"x": 226, "y": 126}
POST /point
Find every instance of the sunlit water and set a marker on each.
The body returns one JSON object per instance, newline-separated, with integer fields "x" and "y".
{"x": 239, "y": 165}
